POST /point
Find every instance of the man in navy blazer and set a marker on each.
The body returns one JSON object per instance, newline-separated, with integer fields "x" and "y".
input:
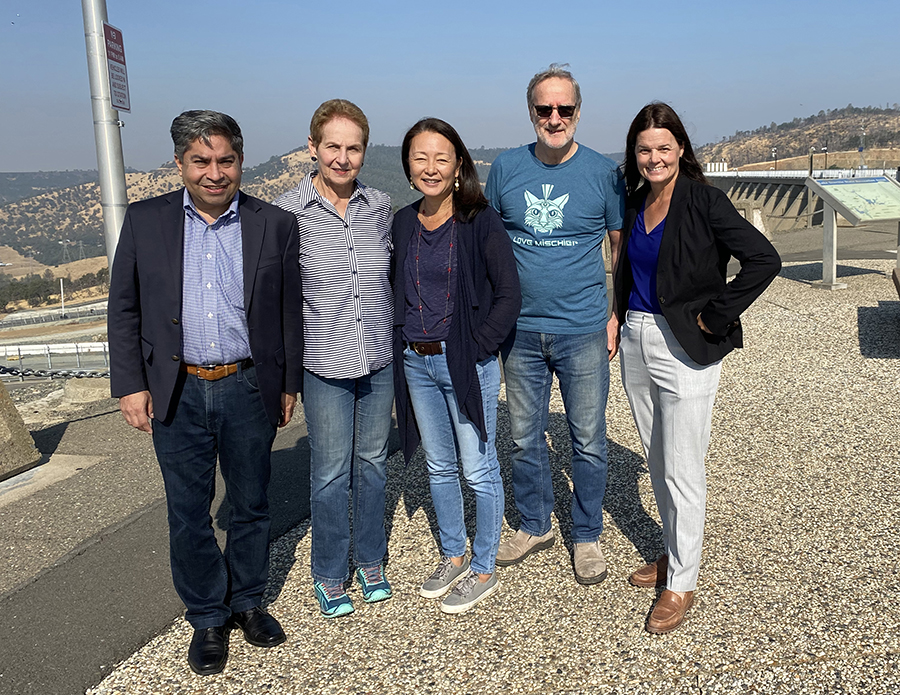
{"x": 205, "y": 338}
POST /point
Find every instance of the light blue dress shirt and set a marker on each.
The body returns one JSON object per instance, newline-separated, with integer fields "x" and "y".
{"x": 213, "y": 317}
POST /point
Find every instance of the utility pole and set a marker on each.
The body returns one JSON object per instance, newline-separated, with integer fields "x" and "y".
{"x": 110, "y": 162}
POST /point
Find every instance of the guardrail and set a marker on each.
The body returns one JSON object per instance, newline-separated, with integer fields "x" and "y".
{"x": 48, "y": 317}
{"x": 802, "y": 173}
{"x": 37, "y": 360}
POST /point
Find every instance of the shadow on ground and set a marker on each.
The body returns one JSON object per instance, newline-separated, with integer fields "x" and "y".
{"x": 879, "y": 330}
{"x": 812, "y": 272}
{"x": 622, "y": 501}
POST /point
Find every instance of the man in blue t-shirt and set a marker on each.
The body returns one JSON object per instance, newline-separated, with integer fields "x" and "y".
{"x": 558, "y": 200}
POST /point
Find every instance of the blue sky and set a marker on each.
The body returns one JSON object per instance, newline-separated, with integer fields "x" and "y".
{"x": 723, "y": 65}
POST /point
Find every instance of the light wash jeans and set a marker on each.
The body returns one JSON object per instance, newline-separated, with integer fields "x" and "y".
{"x": 671, "y": 399}
{"x": 348, "y": 421}
{"x": 581, "y": 363}
{"x": 444, "y": 431}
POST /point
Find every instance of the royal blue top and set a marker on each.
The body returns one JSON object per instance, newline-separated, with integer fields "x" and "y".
{"x": 643, "y": 252}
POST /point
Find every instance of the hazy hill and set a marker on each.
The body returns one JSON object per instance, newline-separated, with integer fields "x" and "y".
{"x": 67, "y": 207}
{"x": 839, "y": 129}
{"x": 36, "y": 225}
{"x": 18, "y": 185}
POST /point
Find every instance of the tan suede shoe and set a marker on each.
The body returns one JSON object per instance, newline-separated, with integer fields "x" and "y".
{"x": 589, "y": 562}
{"x": 521, "y": 546}
{"x": 668, "y": 613}
{"x": 652, "y": 575}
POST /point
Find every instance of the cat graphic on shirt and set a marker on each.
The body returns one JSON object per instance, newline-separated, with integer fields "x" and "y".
{"x": 544, "y": 214}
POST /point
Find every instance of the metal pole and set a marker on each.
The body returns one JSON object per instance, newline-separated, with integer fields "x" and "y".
{"x": 829, "y": 250}
{"x": 62, "y": 300}
{"x": 110, "y": 162}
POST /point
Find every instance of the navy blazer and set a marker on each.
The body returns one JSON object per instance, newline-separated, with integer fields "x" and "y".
{"x": 488, "y": 299}
{"x": 703, "y": 231}
{"x": 144, "y": 321}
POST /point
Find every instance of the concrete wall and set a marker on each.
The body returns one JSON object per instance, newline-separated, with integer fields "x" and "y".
{"x": 772, "y": 205}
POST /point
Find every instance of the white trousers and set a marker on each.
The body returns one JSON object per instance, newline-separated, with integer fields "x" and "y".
{"x": 671, "y": 399}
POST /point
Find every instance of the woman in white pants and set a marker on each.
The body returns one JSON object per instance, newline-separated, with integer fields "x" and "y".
{"x": 679, "y": 318}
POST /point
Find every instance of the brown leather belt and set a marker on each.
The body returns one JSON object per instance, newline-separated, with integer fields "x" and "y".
{"x": 426, "y": 349}
{"x": 214, "y": 372}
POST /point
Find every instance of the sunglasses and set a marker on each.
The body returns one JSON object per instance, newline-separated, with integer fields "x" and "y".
{"x": 564, "y": 110}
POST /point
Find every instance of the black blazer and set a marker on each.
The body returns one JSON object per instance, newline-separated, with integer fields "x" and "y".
{"x": 144, "y": 322}
{"x": 702, "y": 232}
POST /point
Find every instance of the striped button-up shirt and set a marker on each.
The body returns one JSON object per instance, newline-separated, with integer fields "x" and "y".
{"x": 213, "y": 321}
{"x": 345, "y": 263}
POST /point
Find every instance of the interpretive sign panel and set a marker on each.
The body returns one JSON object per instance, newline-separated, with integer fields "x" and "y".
{"x": 115, "y": 61}
{"x": 867, "y": 199}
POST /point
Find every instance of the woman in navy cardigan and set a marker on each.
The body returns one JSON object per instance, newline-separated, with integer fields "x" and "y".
{"x": 679, "y": 318}
{"x": 456, "y": 298}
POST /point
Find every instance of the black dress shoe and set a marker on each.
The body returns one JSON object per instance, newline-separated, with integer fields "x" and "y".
{"x": 260, "y": 628}
{"x": 209, "y": 650}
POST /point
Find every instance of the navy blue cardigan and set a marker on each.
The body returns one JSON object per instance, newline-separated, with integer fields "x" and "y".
{"x": 488, "y": 299}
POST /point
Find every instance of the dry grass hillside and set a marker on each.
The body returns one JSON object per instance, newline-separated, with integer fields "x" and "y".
{"x": 839, "y": 129}
{"x": 36, "y": 225}
{"x": 876, "y": 158}
{"x": 19, "y": 266}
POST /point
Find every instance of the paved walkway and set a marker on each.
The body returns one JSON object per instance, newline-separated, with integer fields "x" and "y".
{"x": 800, "y": 578}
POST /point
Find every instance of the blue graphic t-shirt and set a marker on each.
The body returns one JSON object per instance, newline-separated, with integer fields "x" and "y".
{"x": 557, "y": 217}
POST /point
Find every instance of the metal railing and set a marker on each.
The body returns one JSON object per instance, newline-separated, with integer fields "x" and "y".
{"x": 51, "y": 316}
{"x": 54, "y": 360}
{"x": 803, "y": 173}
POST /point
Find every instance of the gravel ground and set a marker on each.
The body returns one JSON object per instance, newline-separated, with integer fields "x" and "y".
{"x": 800, "y": 577}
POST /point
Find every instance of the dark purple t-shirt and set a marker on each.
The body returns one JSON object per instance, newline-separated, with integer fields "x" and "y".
{"x": 430, "y": 275}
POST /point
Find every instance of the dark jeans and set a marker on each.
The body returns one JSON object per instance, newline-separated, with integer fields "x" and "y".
{"x": 222, "y": 419}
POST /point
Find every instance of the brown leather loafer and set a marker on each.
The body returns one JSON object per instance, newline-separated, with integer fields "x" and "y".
{"x": 668, "y": 613}
{"x": 652, "y": 575}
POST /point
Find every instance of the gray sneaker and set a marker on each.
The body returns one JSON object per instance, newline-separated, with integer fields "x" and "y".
{"x": 521, "y": 546}
{"x": 440, "y": 580}
{"x": 468, "y": 592}
{"x": 590, "y": 564}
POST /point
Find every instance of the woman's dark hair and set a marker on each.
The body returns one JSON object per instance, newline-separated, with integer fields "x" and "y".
{"x": 469, "y": 200}
{"x": 659, "y": 115}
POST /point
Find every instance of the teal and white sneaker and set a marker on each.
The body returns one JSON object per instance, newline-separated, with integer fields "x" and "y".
{"x": 375, "y": 586}
{"x": 468, "y": 592}
{"x": 333, "y": 600}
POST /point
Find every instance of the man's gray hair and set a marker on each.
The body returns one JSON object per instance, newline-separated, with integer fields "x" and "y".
{"x": 202, "y": 125}
{"x": 555, "y": 70}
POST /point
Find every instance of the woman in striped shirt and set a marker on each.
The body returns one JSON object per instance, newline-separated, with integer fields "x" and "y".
{"x": 345, "y": 256}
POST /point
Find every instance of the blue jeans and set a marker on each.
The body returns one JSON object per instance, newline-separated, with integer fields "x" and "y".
{"x": 581, "y": 363}
{"x": 348, "y": 421}
{"x": 444, "y": 430}
{"x": 224, "y": 419}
